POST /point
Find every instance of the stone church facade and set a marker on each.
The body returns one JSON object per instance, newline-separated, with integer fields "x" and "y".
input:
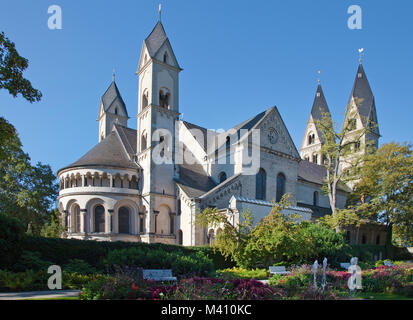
{"x": 148, "y": 185}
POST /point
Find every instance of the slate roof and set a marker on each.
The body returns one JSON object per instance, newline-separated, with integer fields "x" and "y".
{"x": 312, "y": 172}
{"x": 156, "y": 39}
{"x": 128, "y": 137}
{"x": 111, "y": 95}
{"x": 367, "y": 107}
{"x": 109, "y": 152}
{"x": 319, "y": 105}
{"x": 193, "y": 179}
{"x": 319, "y": 108}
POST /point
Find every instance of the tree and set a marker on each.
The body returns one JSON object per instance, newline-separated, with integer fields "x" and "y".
{"x": 385, "y": 190}
{"x": 277, "y": 238}
{"x": 337, "y": 150}
{"x": 12, "y": 66}
{"x": 27, "y": 192}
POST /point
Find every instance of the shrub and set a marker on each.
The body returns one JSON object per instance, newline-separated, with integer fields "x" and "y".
{"x": 148, "y": 258}
{"x": 241, "y": 273}
{"x": 31, "y": 260}
{"x": 11, "y": 235}
{"x": 61, "y": 251}
{"x": 79, "y": 266}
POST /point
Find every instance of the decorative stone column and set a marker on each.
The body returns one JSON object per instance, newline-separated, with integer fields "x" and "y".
{"x": 108, "y": 224}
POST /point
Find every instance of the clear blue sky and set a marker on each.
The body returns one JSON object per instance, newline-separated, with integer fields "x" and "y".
{"x": 239, "y": 58}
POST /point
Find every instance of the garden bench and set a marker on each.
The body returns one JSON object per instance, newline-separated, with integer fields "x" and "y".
{"x": 388, "y": 264}
{"x": 345, "y": 265}
{"x": 158, "y": 275}
{"x": 278, "y": 270}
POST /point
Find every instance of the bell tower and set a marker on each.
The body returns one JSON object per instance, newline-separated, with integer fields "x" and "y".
{"x": 158, "y": 113}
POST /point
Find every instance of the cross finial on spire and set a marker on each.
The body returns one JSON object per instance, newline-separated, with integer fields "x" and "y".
{"x": 319, "y": 76}
{"x": 113, "y": 74}
{"x": 159, "y": 11}
{"x": 361, "y": 50}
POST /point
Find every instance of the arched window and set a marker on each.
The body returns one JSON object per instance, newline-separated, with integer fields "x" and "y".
{"x": 145, "y": 100}
{"x": 180, "y": 237}
{"x": 378, "y": 239}
{"x": 315, "y": 198}
{"x": 164, "y": 99}
{"x": 165, "y": 57}
{"x": 227, "y": 144}
{"x": 123, "y": 220}
{"x": 280, "y": 186}
{"x": 311, "y": 138}
{"x": 143, "y": 141}
{"x": 99, "y": 218}
{"x": 116, "y": 110}
{"x": 260, "y": 185}
{"x": 315, "y": 158}
{"x": 75, "y": 214}
{"x": 222, "y": 177}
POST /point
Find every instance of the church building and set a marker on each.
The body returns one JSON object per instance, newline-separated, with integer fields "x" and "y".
{"x": 149, "y": 184}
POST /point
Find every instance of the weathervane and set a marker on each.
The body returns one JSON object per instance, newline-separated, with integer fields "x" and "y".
{"x": 361, "y": 50}
{"x": 319, "y": 76}
{"x": 159, "y": 11}
{"x": 113, "y": 74}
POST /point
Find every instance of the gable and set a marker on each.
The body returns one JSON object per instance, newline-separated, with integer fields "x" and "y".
{"x": 274, "y": 134}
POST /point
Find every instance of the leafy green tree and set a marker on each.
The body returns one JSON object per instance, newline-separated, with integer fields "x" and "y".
{"x": 12, "y": 66}
{"x": 385, "y": 190}
{"x": 337, "y": 151}
{"x": 277, "y": 238}
{"x": 54, "y": 228}
{"x": 27, "y": 192}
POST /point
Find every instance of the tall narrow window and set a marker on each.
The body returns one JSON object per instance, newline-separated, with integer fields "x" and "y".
{"x": 165, "y": 57}
{"x": 315, "y": 198}
{"x": 123, "y": 220}
{"x": 99, "y": 218}
{"x": 145, "y": 100}
{"x": 143, "y": 142}
{"x": 260, "y": 183}
{"x": 280, "y": 186}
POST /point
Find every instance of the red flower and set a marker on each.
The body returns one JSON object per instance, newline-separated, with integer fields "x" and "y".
{"x": 135, "y": 287}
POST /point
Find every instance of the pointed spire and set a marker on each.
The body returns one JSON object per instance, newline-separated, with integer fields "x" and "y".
{"x": 159, "y": 12}
{"x": 319, "y": 105}
{"x": 319, "y": 76}
{"x": 113, "y": 75}
{"x": 363, "y": 97}
{"x": 111, "y": 95}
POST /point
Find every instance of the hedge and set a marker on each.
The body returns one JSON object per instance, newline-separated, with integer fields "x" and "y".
{"x": 60, "y": 251}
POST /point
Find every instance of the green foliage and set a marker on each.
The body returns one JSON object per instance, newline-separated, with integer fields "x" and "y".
{"x": 11, "y": 236}
{"x": 276, "y": 238}
{"x": 386, "y": 180}
{"x": 79, "y": 266}
{"x": 31, "y": 260}
{"x": 27, "y": 192}
{"x": 54, "y": 228}
{"x": 61, "y": 251}
{"x": 12, "y": 66}
{"x": 150, "y": 258}
{"x": 31, "y": 280}
{"x": 242, "y": 273}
